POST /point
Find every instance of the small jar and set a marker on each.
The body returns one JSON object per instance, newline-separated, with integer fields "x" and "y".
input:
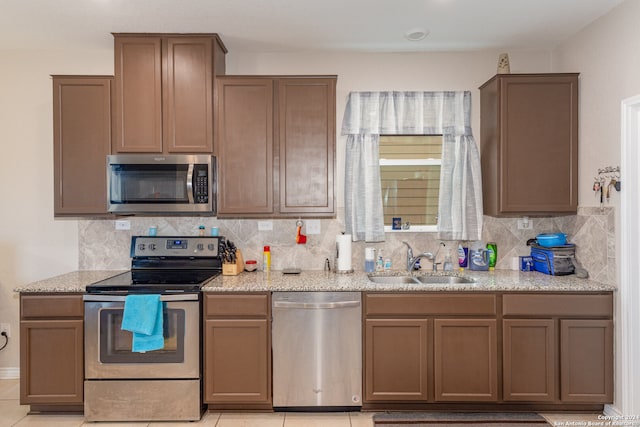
{"x": 251, "y": 265}
{"x": 201, "y": 230}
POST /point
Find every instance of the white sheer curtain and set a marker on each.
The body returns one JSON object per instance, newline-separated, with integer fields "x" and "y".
{"x": 371, "y": 114}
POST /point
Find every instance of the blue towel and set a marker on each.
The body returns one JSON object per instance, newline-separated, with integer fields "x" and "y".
{"x": 144, "y": 318}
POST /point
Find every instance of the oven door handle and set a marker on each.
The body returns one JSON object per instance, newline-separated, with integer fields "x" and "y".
{"x": 121, "y": 298}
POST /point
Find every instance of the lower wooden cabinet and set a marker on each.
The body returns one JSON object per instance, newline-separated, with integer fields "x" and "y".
{"x": 51, "y": 350}
{"x": 396, "y": 352}
{"x": 466, "y": 363}
{"x": 586, "y": 360}
{"x": 528, "y": 363}
{"x": 237, "y": 350}
{"x": 437, "y": 349}
{"x": 558, "y": 348}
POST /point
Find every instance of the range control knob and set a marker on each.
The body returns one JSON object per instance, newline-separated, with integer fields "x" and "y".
{"x": 141, "y": 246}
{"x": 200, "y": 247}
{"x": 152, "y": 246}
{"x": 211, "y": 246}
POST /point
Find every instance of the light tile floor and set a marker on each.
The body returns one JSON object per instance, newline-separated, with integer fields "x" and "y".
{"x": 12, "y": 414}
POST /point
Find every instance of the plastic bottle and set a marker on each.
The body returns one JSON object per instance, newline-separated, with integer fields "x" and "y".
{"x": 463, "y": 256}
{"x": 447, "y": 265}
{"x": 369, "y": 260}
{"x": 201, "y": 230}
{"x": 380, "y": 261}
{"x": 387, "y": 264}
{"x": 266, "y": 259}
{"x": 492, "y": 247}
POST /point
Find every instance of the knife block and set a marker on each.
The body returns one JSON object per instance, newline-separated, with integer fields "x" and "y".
{"x": 233, "y": 269}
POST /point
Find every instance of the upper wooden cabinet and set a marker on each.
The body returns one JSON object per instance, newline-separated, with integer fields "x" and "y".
{"x": 81, "y": 142}
{"x": 275, "y": 146}
{"x": 529, "y": 144}
{"x": 164, "y": 91}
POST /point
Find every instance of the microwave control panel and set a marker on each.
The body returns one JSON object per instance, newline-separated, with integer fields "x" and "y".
{"x": 200, "y": 183}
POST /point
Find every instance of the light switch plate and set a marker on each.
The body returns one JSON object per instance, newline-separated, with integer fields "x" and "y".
{"x": 122, "y": 224}
{"x": 313, "y": 226}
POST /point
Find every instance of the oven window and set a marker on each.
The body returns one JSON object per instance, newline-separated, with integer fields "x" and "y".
{"x": 149, "y": 184}
{"x": 115, "y": 344}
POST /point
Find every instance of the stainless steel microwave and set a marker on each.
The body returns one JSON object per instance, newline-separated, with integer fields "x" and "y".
{"x": 161, "y": 184}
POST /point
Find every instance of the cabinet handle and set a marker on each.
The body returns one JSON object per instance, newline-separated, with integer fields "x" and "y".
{"x": 316, "y": 305}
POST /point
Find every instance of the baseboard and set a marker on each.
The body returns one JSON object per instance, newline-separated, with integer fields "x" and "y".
{"x": 9, "y": 373}
{"x": 611, "y": 411}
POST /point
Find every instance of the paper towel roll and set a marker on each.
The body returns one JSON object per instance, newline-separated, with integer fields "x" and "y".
{"x": 343, "y": 253}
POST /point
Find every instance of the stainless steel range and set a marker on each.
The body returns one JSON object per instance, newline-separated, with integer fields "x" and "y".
{"x": 158, "y": 385}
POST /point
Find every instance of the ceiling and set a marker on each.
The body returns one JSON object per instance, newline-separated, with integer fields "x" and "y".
{"x": 304, "y": 25}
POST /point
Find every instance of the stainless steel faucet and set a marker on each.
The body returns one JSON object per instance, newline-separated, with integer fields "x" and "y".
{"x": 411, "y": 260}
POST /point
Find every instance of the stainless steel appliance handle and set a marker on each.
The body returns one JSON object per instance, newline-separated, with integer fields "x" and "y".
{"x": 121, "y": 298}
{"x": 316, "y": 305}
{"x": 190, "y": 183}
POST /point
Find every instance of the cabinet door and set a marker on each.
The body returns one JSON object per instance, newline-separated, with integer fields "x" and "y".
{"x": 52, "y": 362}
{"x": 465, "y": 360}
{"x": 529, "y": 143}
{"x": 81, "y": 143}
{"x": 529, "y": 360}
{"x": 237, "y": 360}
{"x": 306, "y": 145}
{"x": 539, "y": 150}
{"x": 586, "y": 361}
{"x": 244, "y": 145}
{"x": 138, "y": 94}
{"x": 188, "y": 95}
{"x": 396, "y": 359}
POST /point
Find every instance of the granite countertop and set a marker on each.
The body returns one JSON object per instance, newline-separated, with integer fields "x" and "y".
{"x": 493, "y": 281}
{"x": 74, "y": 282}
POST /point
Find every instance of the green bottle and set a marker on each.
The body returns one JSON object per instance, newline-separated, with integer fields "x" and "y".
{"x": 492, "y": 247}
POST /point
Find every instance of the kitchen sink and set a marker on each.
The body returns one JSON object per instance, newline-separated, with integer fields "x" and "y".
{"x": 420, "y": 280}
{"x": 448, "y": 280}
{"x": 393, "y": 280}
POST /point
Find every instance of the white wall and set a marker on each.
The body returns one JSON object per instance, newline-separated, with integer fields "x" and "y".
{"x": 33, "y": 245}
{"x": 605, "y": 54}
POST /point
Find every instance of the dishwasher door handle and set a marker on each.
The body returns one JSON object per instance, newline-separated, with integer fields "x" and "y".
{"x": 316, "y": 305}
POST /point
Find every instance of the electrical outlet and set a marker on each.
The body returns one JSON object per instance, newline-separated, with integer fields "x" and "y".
{"x": 525, "y": 223}
{"x": 5, "y": 327}
{"x": 265, "y": 225}
{"x": 122, "y": 224}
{"x": 313, "y": 226}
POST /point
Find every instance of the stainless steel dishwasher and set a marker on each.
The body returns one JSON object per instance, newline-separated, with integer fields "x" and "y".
{"x": 317, "y": 350}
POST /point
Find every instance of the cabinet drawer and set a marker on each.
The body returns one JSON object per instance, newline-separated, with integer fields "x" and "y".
{"x": 558, "y": 305}
{"x": 47, "y": 306}
{"x": 429, "y": 304}
{"x": 236, "y": 305}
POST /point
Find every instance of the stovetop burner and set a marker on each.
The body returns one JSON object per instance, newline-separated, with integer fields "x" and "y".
{"x": 164, "y": 265}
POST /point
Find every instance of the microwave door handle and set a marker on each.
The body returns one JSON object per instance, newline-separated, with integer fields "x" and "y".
{"x": 190, "y": 184}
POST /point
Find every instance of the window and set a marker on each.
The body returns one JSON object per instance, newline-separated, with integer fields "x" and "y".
{"x": 410, "y": 179}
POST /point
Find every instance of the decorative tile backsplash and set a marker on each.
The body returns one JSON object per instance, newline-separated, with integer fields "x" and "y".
{"x": 592, "y": 230}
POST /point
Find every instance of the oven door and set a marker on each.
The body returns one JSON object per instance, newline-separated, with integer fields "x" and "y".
{"x": 108, "y": 352}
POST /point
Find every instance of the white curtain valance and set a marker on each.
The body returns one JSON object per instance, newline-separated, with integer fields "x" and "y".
{"x": 396, "y": 113}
